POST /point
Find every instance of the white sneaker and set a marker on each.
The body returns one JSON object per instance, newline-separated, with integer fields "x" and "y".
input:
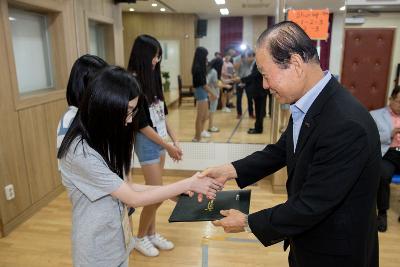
{"x": 144, "y": 246}
{"x": 225, "y": 109}
{"x": 160, "y": 242}
{"x": 213, "y": 129}
{"x": 205, "y": 134}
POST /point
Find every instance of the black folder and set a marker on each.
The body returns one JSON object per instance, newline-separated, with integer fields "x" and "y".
{"x": 188, "y": 209}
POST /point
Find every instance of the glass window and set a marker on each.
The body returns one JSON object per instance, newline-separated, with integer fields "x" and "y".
{"x": 97, "y": 43}
{"x": 32, "y": 51}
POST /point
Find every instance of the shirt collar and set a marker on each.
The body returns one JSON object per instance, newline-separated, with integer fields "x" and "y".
{"x": 305, "y": 102}
{"x": 392, "y": 113}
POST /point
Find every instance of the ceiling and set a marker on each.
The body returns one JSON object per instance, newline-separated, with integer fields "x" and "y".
{"x": 208, "y": 8}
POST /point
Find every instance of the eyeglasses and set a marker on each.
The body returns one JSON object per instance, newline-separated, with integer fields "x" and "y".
{"x": 157, "y": 58}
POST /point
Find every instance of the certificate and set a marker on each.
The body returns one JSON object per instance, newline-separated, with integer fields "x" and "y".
{"x": 188, "y": 209}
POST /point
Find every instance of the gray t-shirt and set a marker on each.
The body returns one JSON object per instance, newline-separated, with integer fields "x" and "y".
{"x": 97, "y": 234}
{"x": 212, "y": 81}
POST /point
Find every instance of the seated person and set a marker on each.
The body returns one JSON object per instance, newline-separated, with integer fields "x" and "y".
{"x": 388, "y": 121}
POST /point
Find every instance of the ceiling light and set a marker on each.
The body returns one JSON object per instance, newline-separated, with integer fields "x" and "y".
{"x": 162, "y": 9}
{"x": 131, "y": 9}
{"x": 343, "y": 8}
{"x": 243, "y": 47}
{"x": 220, "y": 2}
{"x": 224, "y": 11}
{"x": 11, "y": 18}
{"x": 154, "y": 4}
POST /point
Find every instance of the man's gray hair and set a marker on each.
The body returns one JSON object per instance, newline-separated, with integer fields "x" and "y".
{"x": 285, "y": 39}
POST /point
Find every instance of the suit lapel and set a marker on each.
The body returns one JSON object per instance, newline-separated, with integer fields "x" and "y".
{"x": 291, "y": 163}
{"x": 310, "y": 120}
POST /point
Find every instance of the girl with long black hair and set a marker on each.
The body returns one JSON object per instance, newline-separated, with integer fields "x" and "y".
{"x": 151, "y": 140}
{"x": 202, "y": 91}
{"x": 95, "y": 158}
{"x": 84, "y": 68}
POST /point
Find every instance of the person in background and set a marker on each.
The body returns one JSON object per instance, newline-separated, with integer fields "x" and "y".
{"x": 244, "y": 70}
{"x": 212, "y": 82}
{"x": 217, "y": 55}
{"x": 151, "y": 141}
{"x": 95, "y": 157}
{"x": 227, "y": 76}
{"x": 202, "y": 92}
{"x": 332, "y": 153}
{"x": 254, "y": 90}
{"x": 83, "y": 68}
{"x": 388, "y": 121}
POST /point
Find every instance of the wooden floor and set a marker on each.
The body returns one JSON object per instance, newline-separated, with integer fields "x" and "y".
{"x": 232, "y": 130}
{"x": 44, "y": 240}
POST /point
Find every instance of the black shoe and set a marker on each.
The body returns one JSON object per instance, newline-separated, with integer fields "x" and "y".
{"x": 382, "y": 223}
{"x": 254, "y": 131}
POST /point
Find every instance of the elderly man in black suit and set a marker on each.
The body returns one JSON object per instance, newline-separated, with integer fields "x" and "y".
{"x": 331, "y": 150}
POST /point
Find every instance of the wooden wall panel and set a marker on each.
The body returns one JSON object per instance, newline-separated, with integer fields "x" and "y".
{"x": 28, "y": 129}
{"x": 164, "y": 27}
{"x": 36, "y": 149}
{"x": 12, "y": 164}
{"x": 107, "y": 10}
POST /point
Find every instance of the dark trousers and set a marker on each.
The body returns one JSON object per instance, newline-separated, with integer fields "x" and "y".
{"x": 250, "y": 101}
{"x": 239, "y": 96}
{"x": 387, "y": 171}
{"x": 259, "y": 105}
{"x": 309, "y": 259}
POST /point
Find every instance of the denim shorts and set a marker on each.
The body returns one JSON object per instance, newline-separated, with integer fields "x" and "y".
{"x": 147, "y": 151}
{"x": 200, "y": 94}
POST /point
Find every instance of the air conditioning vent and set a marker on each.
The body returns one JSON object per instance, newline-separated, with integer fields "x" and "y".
{"x": 256, "y": 5}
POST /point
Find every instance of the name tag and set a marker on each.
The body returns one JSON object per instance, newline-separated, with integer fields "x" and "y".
{"x": 157, "y": 116}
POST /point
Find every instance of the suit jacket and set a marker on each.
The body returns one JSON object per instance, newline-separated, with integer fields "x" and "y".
{"x": 385, "y": 127}
{"x": 332, "y": 183}
{"x": 254, "y": 83}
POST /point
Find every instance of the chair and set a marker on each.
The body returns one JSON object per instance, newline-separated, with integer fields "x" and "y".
{"x": 185, "y": 91}
{"x": 396, "y": 180}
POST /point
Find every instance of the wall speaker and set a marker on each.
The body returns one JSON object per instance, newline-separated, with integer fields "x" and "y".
{"x": 201, "y": 28}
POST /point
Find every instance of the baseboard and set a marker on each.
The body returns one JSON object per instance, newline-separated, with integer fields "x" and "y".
{"x": 14, "y": 223}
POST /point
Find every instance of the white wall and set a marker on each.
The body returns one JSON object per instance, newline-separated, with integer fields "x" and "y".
{"x": 212, "y": 40}
{"x": 387, "y": 20}
{"x": 248, "y": 31}
{"x": 372, "y": 2}
{"x": 336, "y": 53}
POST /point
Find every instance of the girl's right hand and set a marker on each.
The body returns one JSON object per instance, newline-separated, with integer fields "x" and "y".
{"x": 174, "y": 152}
{"x": 205, "y": 185}
{"x": 212, "y": 96}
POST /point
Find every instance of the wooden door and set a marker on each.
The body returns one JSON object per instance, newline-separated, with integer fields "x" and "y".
{"x": 366, "y": 64}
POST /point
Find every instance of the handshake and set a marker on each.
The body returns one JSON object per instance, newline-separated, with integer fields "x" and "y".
{"x": 210, "y": 181}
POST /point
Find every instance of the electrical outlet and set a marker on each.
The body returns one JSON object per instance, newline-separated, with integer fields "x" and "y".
{"x": 9, "y": 191}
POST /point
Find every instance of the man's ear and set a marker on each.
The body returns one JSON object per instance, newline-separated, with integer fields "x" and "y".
{"x": 297, "y": 63}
